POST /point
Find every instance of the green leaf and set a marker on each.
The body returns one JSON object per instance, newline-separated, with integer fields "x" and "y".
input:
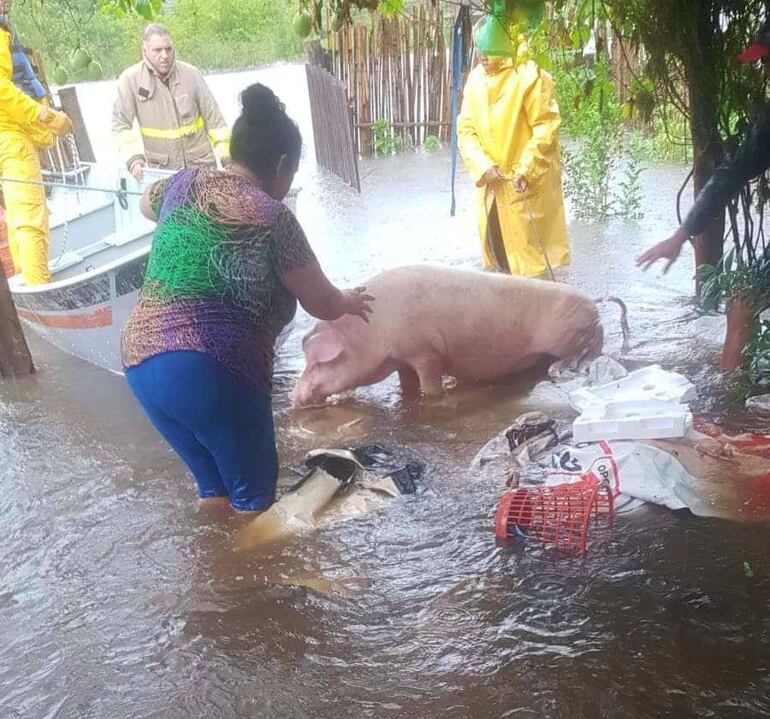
{"x": 145, "y": 9}
{"x": 535, "y": 14}
{"x": 576, "y": 38}
{"x": 543, "y": 61}
{"x": 705, "y": 272}
{"x": 747, "y": 570}
{"x": 114, "y": 8}
{"x": 710, "y": 291}
{"x": 390, "y": 8}
{"x": 727, "y": 260}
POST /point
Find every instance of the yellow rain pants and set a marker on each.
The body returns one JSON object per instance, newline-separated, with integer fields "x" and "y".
{"x": 511, "y": 119}
{"x": 25, "y": 206}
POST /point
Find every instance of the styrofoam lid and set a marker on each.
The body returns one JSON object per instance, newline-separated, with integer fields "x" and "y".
{"x": 648, "y": 383}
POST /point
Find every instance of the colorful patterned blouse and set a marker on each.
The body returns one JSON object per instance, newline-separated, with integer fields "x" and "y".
{"x": 213, "y": 281}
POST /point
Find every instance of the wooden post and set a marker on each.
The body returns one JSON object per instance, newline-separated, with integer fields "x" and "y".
{"x": 15, "y": 359}
{"x": 418, "y": 69}
{"x": 362, "y": 92}
{"x": 69, "y": 102}
{"x": 316, "y": 55}
{"x": 409, "y": 82}
{"x": 741, "y": 322}
{"x": 444, "y": 83}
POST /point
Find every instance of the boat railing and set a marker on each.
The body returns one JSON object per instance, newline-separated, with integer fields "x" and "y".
{"x": 130, "y": 223}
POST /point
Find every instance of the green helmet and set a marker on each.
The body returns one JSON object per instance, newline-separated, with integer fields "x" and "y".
{"x": 493, "y": 38}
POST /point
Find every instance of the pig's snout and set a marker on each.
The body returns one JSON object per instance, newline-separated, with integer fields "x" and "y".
{"x": 305, "y": 394}
{"x": 294, "y": 396}
{"x": 298, "y": 397}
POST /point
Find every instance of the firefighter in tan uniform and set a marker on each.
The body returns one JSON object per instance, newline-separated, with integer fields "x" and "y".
{"x": 180, "y": 124}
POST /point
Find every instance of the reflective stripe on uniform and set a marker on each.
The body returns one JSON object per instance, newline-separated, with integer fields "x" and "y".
{"x": 219, "y": 138}
{"x": 125, "y": 140}
{"x": 175, "y": 133}
{"x": 127, "y": 145}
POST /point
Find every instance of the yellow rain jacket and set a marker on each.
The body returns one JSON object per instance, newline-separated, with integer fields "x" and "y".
{"x": 511, "y": 119}
{"x": 179, "y": 119}
{"x": 20, "y": 134}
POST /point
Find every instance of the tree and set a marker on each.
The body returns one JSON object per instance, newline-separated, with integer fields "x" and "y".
{"x": 690, "y": 48}
{"x": 325, "y": 15}
{"x": 148, "y": 9}
{"x": 229, "y": 34}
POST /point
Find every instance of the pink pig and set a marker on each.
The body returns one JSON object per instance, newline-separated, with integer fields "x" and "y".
{"x": 434, "y": 321}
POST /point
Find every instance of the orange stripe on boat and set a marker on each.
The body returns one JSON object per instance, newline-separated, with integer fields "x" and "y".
{"x": 100, "y": 318}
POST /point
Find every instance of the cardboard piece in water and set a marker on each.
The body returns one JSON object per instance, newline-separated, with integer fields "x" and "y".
{"x": 338, "y": 487}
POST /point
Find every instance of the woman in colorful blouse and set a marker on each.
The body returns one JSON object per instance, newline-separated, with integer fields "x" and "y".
{"x": 228, "y": 263}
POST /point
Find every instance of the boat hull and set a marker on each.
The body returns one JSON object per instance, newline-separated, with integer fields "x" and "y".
{"x": 99, "y": 261}
{"x": 85, "y": 318}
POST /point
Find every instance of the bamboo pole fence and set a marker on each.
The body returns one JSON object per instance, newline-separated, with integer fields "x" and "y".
{"x": 396, "y": 72}
{"x": 332, "y": 131}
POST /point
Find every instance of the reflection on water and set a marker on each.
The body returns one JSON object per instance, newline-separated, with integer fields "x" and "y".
{"x": 120, "y": 597}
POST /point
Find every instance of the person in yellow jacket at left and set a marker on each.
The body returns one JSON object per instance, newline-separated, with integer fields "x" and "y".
{"x": 508, "y": 138}
{"x": 26, "y": 123}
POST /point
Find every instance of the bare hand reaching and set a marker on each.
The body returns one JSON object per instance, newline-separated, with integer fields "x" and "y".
{"x": 667, "y": 250}
{"x": 137, "y": 170}
{"x": 357, "y": 302}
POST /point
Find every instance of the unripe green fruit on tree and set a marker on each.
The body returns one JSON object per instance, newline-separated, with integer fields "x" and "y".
{"x": 302, "y": 24}
{"x": 80, "y": 59}
{"x": 60, "y": 75}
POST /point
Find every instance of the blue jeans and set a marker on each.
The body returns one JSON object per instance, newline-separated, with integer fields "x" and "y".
{"x": 220, "y": 427}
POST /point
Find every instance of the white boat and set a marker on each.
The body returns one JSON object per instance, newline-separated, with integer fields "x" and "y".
{"x": 99, "y": 247}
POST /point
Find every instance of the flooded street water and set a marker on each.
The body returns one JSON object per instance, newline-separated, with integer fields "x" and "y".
{"x": 120, "y": 597}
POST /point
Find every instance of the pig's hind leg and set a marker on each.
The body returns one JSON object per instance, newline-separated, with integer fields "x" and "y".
{"x": 410, "y": 382}
{"x": 430, "y": 372}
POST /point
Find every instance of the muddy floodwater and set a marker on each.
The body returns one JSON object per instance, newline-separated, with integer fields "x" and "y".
{"x": 120, "y": 597}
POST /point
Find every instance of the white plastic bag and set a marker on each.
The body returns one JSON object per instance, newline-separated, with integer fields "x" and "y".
{"x": 631, "y": 468}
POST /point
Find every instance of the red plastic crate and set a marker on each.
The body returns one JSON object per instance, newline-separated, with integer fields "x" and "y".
{"x": 559, "y": 516}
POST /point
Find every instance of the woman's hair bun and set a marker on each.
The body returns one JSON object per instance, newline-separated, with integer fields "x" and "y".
{"x": 260, "y": 103}
{"x": 264, "y": 133}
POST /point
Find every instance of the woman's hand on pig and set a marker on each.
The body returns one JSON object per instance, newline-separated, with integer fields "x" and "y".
{"x": 357, "y": 302}
{"x": 321, "y": 298}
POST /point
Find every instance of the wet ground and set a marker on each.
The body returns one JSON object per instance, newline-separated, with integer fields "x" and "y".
{"x": 120, "y": 597}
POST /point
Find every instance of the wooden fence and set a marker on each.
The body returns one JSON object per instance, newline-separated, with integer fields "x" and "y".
{"x": 397, "y": 75}
{"x": 332, "y": 132}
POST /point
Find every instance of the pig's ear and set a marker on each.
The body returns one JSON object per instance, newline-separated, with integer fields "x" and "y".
{"x": 323, "y": 347}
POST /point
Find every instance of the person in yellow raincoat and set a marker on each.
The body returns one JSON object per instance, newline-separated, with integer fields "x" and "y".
{"x": 26, "y": 123}
{"x": 508, "y": 138}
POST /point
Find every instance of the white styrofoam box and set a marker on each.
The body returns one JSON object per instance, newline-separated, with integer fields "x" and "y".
{"x": 648, "y": 383}
{"x": 632, "y": 419}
